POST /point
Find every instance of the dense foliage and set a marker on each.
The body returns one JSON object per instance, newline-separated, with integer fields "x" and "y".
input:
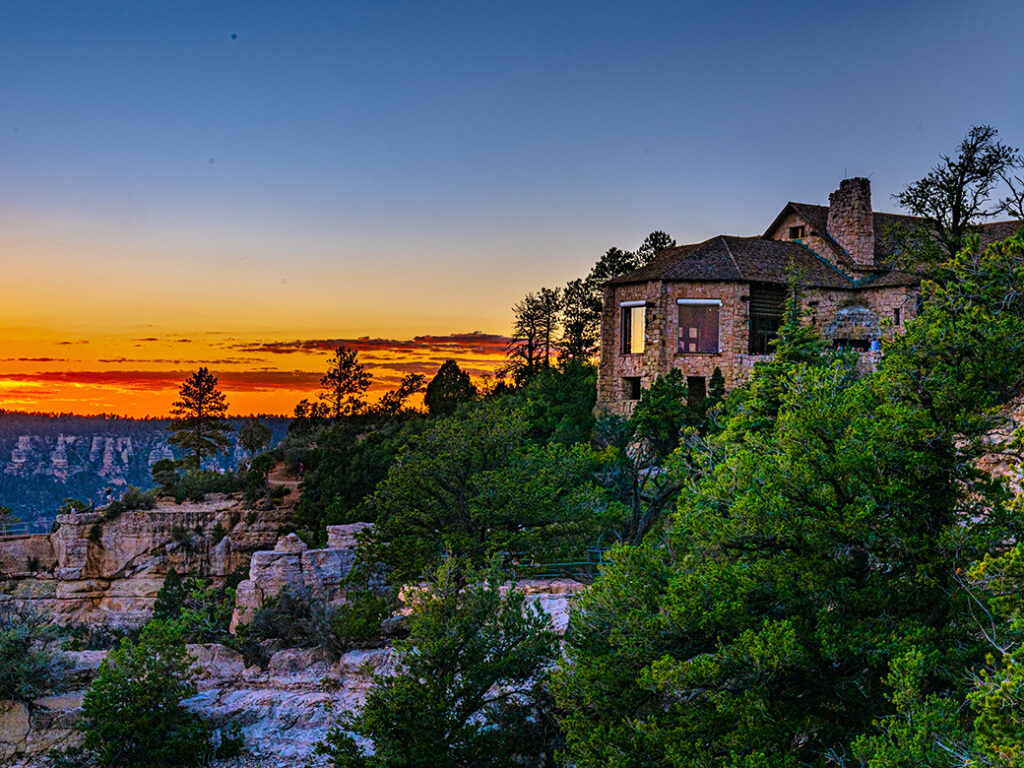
{"x": 29, "y": 661}
{"x": 132, "y": 715}
{"x": 476, "y": 485}
{"x": 805, "y": 606}
{"x": 468, "y": 685}
{"x": 298, "y": 619}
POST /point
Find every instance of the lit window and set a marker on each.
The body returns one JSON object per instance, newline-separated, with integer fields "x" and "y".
{"x": 698, "y": 326}
{"x": 633, "y": 327}
{"x": 795, "y": 233}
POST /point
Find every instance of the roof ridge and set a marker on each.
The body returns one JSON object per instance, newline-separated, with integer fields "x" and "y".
{"x": 732, "y": 258}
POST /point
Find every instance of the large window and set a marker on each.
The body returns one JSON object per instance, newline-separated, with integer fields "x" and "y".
{"x": 633, "y": 327}
{"x": 698, "y": 326}
{"x": 767, "y": 306}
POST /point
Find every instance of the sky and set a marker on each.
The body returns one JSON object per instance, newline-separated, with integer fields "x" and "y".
{"x": 246, "y": 185}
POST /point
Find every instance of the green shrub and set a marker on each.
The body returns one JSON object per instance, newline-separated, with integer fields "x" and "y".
{"x": 136, "y": 498}
{"x": 73, "y": 507}
{"x": 301, "y": 620}
{"x": 201, "y": 610}
{"x": 195, "y": 485}
{"x": 218, "y": 533}
{"x": 165, "y": 473}
{"x": 170, "y": 598}
{"x": 93, "y": 637}
{"x": 232, "y": 742}
{"x": 133, "y": 498}
{"x": 29, "y": 662}
{"x": 132, "y": 715}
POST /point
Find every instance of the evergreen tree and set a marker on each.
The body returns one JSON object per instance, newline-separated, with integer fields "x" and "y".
{"x": 716, "y": 389}
{"x": 392, "y": 402}
{"x": 200, "y": 425}
{"x": 474, "y": 486}
{"x": 7, "y": 518}
{"x": 468, "y": 689}
{"x": 170, "y": 598}
{"x": 580, "y": 321}
{"x": 254, "y": 436}
{"x": 449, "y": 388}
{"x": 344, "y": 384}
{"x": 534, "y": 333}
{"x": 132, "y": 715}
{"x": 953, "y": 198}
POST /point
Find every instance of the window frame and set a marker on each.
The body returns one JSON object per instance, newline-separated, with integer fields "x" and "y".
{"x": 717, "y": 303}
{"x": 626, "y": 308}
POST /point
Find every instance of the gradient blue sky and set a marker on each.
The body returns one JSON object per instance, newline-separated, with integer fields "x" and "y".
{"x": 288, "y": 170}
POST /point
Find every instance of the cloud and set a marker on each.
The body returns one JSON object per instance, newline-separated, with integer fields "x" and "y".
{"x": 66, "y": 343}
{"x": 33, "y": 359}
{"x": 152, "y": 381}
{"x": 452, "y": 345}
{"x": 166, "y": 361}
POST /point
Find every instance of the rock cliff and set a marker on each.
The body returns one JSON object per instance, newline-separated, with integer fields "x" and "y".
{"x": 283, "y": 709}
{"x": 108, "y": 572}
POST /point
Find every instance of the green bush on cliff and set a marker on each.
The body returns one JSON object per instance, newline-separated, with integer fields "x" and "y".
{"x": 132, "y": 714}
{"x": 468, "y": 689}
{"x": 29, "y": 663}
{"x": 299, "y": 619}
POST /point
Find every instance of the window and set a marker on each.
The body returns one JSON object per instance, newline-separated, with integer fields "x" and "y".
{"x": 631, "y": 387}
{"x": 633, "y": 327}
{"x": 795, "y": 233}
{"x": 896, "y": 316}
{"x": 767, "y": 306}
{"x": 696, "y": 392}
{"x": 698, "y": 326}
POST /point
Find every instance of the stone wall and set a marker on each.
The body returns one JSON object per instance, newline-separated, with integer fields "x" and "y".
{"x": 851, "y": 221}
{"x": 857, "y": 315}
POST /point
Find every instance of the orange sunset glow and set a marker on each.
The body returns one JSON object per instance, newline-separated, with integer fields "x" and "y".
{"x": 139, "y": 375}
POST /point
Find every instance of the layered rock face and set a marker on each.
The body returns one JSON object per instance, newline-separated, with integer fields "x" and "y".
{"x": 109, "y": 571}
{"x": 43, "y": 460}
{"x": 291, "y": 564}
{"x": 283, "y": 710}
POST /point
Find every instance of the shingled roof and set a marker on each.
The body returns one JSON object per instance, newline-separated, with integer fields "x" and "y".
{"x": 885, "y": 224}
{"x": 727, "y": 258}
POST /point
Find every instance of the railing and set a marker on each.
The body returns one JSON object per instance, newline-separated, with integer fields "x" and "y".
{"x": 24, "y": 529}
{"x": 524, "y": 566}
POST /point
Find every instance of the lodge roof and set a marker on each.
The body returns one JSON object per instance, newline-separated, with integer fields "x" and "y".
{"x": 727, "y": 258}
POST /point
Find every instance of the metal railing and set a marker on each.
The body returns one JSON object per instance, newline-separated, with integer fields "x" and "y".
{"x": 24, "y": 529}
{"x": 524, "y": 566}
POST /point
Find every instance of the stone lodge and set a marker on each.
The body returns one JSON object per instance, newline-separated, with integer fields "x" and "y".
{"x": 719, "y": 303}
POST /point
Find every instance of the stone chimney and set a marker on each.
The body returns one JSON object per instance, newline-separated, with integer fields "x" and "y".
{"x": 850, "y": 221}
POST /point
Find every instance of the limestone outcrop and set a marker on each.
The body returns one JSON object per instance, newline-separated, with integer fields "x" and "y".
{"x": 283, "y": 709}
{"x": 292, "y": 564}
{"x": 108, "y": 571}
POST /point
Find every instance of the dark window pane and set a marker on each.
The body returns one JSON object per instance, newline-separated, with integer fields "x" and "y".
{"x": 698, "y": 328}
{"x": 767, "y": 306}
{"x": 696, "y": 391}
